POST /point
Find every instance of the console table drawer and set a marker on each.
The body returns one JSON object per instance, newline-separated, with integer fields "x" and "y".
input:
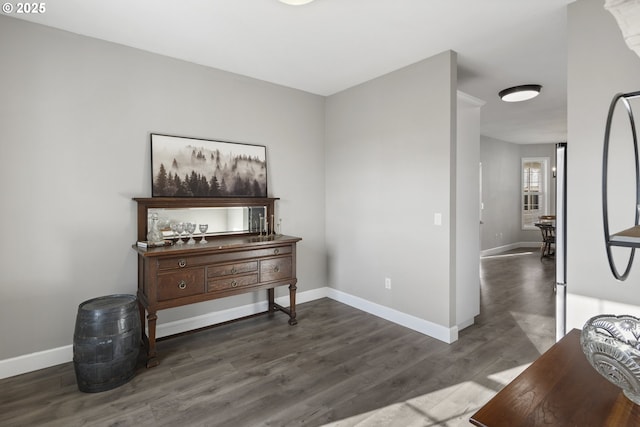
{"x": 232, "y": 282}
{"x": 227, "y": 257}
{"x": 180, "y": 284}
{"x": 182, "y": 262}
{"x": 231, "y": 269}
{"x": 249, "y": 254}
{"x": 282, "y": 250}
{"x": 275, "y": 269}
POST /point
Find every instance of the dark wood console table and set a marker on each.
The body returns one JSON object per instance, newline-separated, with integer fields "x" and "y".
{"x": 559, "y": 389}
{"x": 172, "y": 276}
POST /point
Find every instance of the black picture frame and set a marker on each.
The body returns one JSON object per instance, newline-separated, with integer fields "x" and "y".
{"x": 195, "y": 167}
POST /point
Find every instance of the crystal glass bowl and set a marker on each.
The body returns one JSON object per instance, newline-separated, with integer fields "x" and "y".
{"x": 612, "y": 346}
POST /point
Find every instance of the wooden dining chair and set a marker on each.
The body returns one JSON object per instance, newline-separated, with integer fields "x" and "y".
{"x": 548, "y": 231}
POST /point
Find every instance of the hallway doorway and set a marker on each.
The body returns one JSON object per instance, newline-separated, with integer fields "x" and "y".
{"x": 517, "y": 288}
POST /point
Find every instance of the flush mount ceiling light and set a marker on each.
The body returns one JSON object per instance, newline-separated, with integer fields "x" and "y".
{"x": 520, "y": 93}
{"x": 296, "y": 2}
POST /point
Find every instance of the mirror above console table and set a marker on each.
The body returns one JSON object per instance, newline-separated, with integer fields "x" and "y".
{"x": 224, "y": 216}
{"x": 242, "y": 252}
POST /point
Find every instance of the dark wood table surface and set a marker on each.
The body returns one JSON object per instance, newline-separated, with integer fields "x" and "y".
{"x": 560, "y": 388}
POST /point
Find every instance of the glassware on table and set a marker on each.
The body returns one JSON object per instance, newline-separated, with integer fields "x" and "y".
{"x": 190, "y": 228}
{"x": 179, "y": 229}
{"x": 154, "y": 235}
{"x": 203, "y": 229}
{"x": 172, "y": 226}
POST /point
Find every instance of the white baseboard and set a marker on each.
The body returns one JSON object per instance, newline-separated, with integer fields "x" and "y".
{"x": 500, "y": 249}
{"x": 425, "y": 327}
{"x": 35, "y": 361}
{"x": 466, "y": 323}
{"x": 55, "y": 356}
{"x": 184, "y": 325}
{"x": 44, "y": 359}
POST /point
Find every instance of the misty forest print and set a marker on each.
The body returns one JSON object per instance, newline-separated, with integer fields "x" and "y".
{"x": 187, "y": 167}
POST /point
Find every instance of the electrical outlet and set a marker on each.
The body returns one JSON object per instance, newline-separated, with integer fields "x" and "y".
{"x": 387, "y": 283}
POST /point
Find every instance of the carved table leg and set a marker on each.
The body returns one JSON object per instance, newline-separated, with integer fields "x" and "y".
{"x": 271, "y": 298}
{"x": 152, "y": 359}
{"x": 292, "y": 304}
{"x": 143, "y": 323}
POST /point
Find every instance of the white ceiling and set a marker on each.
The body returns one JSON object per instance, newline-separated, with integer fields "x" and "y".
{"x": 330, "y": 45}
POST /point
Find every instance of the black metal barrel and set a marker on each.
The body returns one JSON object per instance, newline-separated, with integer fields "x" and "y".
{"x": 106, "y": 342}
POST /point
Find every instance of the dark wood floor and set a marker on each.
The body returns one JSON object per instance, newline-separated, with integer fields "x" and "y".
{"x": 338, "y": 366}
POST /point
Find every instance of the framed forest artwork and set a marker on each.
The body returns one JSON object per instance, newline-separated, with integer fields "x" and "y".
{"x": 191, "y": 167}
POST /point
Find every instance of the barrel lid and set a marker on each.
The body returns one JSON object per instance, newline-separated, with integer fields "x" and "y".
{"x": 108, "y": 302}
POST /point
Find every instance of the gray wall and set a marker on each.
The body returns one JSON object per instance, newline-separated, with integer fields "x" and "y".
{"x": 75, "y": 119}
{"x": 599, "y": 66}
{"x": 501, "y": 191}
{"x": 75, "y": 130}
{"x": 467, "y": 212}
{"x": 390, "y": 156}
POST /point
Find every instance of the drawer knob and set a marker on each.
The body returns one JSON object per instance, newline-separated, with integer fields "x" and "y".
{"x": 182, "y": 284}
{"x": 276, "y": 251}
{"x": 233, "y": 270}
{"x": 276, "y": 268}
{"x": 182, "y": 263}
{"x": 234, "y": 283}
